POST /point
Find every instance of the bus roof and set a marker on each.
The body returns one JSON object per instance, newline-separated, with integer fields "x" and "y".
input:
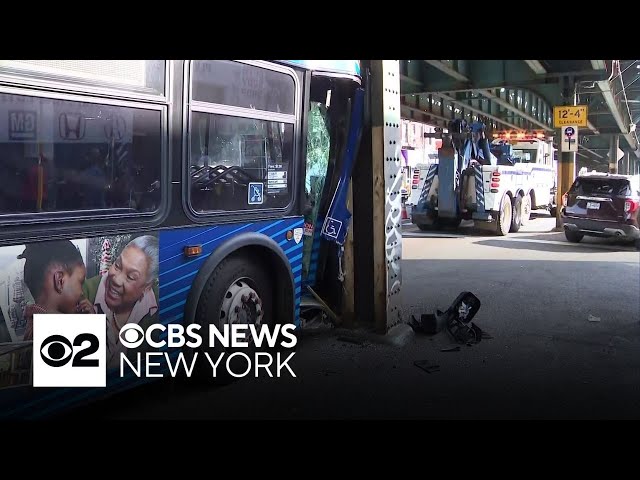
{"x": 349, "y": 67}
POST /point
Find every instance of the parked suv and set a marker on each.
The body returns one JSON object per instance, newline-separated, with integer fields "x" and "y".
{"x": 602, "y": 205}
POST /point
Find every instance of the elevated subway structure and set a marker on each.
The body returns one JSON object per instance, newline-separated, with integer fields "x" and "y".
{"x": 505, "y": 95}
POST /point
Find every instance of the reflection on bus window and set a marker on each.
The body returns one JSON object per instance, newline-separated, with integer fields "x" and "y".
{"x": 230, "y": 153}
{"x": 241, "y": 85}
{"x": 61, "y": 156}
{"x": 144, "y": 76}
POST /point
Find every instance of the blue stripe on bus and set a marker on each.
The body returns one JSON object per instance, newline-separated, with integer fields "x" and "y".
{"x": 164, "y": 285}
{"x": 171, "y": 307}
{"x": 181, "y": 242}
{"x": 270, "y": 226}
{"x": 177, "y": 292}
{"x": 292, "y": 249}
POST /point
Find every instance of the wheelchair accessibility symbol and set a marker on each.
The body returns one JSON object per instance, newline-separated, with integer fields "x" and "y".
{"x": 332, "y": 227}
{"x": 256, "y": 190}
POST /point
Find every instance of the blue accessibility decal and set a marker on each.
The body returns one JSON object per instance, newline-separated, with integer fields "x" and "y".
{"x": 256, "y": 189}
{"x": 332, "y": 227}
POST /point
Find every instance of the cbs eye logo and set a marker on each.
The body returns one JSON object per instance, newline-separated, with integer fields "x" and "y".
{"x": 69, "y": 350}
{"x": 57, "y": 350}
{"x": 131, "y": 335}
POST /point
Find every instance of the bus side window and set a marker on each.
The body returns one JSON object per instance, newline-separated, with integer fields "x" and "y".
{"x": 244, "y": 160}
{"x": 78, "y": 156}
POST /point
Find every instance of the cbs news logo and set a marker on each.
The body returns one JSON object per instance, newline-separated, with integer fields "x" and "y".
{"x": 69, "y": 350}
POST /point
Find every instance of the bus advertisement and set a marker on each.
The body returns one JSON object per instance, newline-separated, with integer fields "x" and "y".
{"x": 157, "y": 212}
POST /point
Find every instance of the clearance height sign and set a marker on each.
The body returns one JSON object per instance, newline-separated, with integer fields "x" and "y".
{"x": 566, "y": 116}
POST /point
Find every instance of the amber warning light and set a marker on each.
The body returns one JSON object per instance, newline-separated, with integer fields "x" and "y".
{"x": 192, "y": 250}
{"x": 519, "y": 135}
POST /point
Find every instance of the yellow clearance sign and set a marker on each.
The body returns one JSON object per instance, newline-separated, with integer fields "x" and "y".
{"x": 575, "y": 116}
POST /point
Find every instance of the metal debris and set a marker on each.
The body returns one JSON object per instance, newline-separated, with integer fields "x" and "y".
{"x": 592, "y": 318}
{"x": 427, "y": 366}
{"x": 456, "y": 320}
{"x": 451, "y": 349}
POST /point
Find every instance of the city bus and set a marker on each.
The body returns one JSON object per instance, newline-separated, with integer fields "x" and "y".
{"x": 163, "y": 192}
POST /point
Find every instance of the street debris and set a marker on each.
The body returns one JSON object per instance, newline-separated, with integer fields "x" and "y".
{"x": 427, "y": 324}
{"x": 456, "y": 320}
{"x": 427, "y": 366}
{"x": 592, "y": 318}
{"x": 451, "y": 349}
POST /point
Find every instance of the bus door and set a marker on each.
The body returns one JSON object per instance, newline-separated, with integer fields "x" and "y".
{"x": 317, "y": 161}
{"x": 327, "y": 176}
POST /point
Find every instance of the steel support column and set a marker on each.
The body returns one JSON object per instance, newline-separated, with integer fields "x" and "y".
{"x": 377, "y": 183}
{"x": 613, "y": 153}
{"x": 566, "y": 160}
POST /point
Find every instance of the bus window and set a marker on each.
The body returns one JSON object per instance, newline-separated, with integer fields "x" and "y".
{"x": 68, "y": 156}
{"x": 241, "y": 85}
{"x": 241, "y": 137}
{"x": 318, "y": 149}
{"x": 142, "y": 76}
{"x": 230, "y": 153}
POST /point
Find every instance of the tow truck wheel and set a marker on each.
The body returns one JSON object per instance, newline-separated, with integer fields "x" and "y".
{"x": 516, "y": 215}
{"x": 504, "y": 217}
{"x": 525, "y": 214}
{"x": 573, "y": 237}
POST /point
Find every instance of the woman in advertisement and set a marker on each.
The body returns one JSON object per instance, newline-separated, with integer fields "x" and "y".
{"x": 126, "y": 293}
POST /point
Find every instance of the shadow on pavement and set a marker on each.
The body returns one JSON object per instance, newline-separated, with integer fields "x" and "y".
{"x": 551, "y": 247}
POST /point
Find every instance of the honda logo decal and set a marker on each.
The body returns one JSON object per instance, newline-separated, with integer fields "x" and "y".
{"x": 116, "y": 127}
{"x": 71, "y": 126}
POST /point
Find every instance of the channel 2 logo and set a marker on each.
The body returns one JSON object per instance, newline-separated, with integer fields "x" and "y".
{"x": 69, "y": 350}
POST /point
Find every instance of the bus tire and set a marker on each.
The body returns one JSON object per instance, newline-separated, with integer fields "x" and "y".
{"x": 503, "y": 223}
{"x": 226, "y": 297}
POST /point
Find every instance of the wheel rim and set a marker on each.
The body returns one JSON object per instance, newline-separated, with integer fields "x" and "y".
{"x": 505, "y": 216}
{"x": 241, "y": 304}
{"x": 526, "y": 209}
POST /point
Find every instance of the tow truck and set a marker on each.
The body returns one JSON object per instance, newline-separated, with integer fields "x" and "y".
{"x": 489, "y": 184}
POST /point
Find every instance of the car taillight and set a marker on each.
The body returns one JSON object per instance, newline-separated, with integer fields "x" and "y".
{"x": 631, "y": 206}
{"x": 565, "y": 200}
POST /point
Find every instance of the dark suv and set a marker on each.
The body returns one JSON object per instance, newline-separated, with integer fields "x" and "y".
{"x": 602, "y": 205}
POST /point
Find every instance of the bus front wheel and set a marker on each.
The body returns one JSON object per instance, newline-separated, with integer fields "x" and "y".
{"x": 237, "y": 292}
